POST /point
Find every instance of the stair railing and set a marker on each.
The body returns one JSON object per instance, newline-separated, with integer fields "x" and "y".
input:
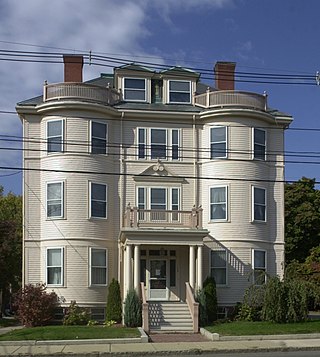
{"x": 145, "y": 309}
{"x": 193, "y": 307}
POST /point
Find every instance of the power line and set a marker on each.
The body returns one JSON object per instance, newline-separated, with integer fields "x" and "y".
{"x": 210, "y": 178}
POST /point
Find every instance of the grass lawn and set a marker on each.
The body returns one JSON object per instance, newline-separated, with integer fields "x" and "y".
{"x": 241, "y": 328}
{"x": 69, "y": 333}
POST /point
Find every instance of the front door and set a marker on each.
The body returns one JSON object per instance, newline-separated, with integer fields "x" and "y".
{"x": 158, "y": 283}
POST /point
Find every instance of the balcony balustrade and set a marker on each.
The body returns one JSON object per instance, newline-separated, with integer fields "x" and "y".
{"x": 80, "y": 91}
{"x": 151, "y": 218}
{"x": 230, "y": 98}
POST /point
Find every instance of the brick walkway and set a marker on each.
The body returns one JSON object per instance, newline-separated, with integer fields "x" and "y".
{"x": 177, "y": 337}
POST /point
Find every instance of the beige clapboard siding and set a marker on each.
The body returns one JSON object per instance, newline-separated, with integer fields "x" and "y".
{"x": 31, "y": 264}
{"x": 31, "y": 131}
{"x": 76, "y": 270}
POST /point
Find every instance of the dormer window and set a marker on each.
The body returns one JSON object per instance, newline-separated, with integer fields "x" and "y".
{"x": 179, "y": 91}
{"x": 135, "y": 89}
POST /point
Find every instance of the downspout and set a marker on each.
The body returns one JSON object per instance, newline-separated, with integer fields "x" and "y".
{"x": 122, "y": 189}
{"x": 195, "y": 154}
{"x": 23, "y": 209}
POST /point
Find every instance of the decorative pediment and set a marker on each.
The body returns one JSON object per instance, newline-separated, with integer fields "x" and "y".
{"x": 158, "y": 172}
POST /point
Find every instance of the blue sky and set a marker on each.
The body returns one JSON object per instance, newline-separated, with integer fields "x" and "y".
{"x": 260, "y": 36}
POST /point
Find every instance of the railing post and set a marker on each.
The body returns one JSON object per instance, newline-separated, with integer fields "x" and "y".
{"x": 200, "y": 216}
{"x": 265, "y": 100}
{"x": 135, "y": 217}
{"x": 194, "y": 217}
{"x": 45, "y": 91}
{"x": 208, "y": 98}
{"x": 127, "y": 216}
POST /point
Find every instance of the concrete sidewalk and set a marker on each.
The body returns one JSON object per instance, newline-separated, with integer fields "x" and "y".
{"x": 140, "y": 346}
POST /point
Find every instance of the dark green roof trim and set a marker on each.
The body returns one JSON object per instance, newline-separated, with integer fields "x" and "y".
{"x": 134, "y": 67}
{"x": 158, "y": 107}
{"x": 180, "y": 71}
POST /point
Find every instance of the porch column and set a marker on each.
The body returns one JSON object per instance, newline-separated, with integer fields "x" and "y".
{"x": 199, "y": 270}
{"x": 192, "y": 266}
{"x": 136, "y": 272}
{"x": 128, "y": 271}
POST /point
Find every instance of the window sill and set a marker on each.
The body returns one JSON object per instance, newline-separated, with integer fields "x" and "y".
{"x": 98, "y": 218}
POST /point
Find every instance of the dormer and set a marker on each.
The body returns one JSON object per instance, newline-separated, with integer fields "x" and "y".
{"x": 134, "y": 81}
{"x": 179, "y": 84}
{"x": 140, "y": 84}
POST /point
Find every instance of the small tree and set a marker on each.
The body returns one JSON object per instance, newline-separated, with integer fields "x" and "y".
{"x": 209, "y": 287}
{"x": 132, "y": 309}
{"x": 113, "y": 308}
{"x": 34, "y": 306}
{"x": 76, "y": 315}
{"x": 203, "y": 315}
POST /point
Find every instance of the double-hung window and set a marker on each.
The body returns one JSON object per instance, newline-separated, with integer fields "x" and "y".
{"x": 158, "y": 143}
{"x": 218, "y": 264}
{"x": 218, "y": 142}
{"x": 98, "y": 200}
{"x": 158, "y": 200}
{"x": 259, "y": 144}
{"x": 55, "y": 199}
{"x": 55, "y": 136}
{"x": 54, "y": 266}
{"x": 179, "y": 91}
{"x": 218, "y": 203}
{"x": 98, "y": 266}
{"x": 135, "y": 89}
{"x": 259, "y": 264}
{"x": 99, "y": 134}
{"x": 259, "y": 206}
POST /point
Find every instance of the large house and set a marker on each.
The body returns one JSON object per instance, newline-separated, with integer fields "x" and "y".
{"x": 155, "y": 179}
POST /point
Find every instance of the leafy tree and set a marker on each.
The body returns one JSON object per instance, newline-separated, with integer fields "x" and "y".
{"x": 302, "y": 219}
{"x": 34, "y": 306}
{"x": 10, "y": 244}
{"x": 113, "y": 308}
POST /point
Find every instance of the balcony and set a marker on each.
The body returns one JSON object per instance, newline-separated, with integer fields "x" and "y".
{"x": 146, "y": 218}
{"x": 80, "y": 91}
{"x": 230, "y": 98}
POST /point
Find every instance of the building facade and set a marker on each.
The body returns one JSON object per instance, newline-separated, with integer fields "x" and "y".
{"x": 151, "y": 177}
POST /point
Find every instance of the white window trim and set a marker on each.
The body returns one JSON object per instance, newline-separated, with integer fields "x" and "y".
{"x": 140, "y": 90}
{"x": 89, "y": 213}
{"x": 62, "y": 135}
{"x": 227, "y": 266}
{"x": 253, "y": 264}
{"x": 227, "y": 144}
{"x": 227, "y": 204}
{"x": 265, "y": 144}
{"x": 90, "y": 266}
{"x": 62, "y": 182}
{"x": 265, "y": 206}
{"x": 169, "y": 91}
{"x": 147, "y": 137}
{"x": 62, "y": 266}
{"x": 90, "y": 136}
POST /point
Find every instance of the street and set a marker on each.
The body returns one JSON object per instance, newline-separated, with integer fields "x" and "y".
{"x": 257, "y": 354}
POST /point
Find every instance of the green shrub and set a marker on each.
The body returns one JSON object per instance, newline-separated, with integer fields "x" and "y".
{"x": 203, "y": 315}
{"x": 209, "y": 287}
{"x": 251, "y": 306}
{"x": 132, "y": 309}
{"x": 114, "y": 302}
{"x": 76, "y": 315}
{"x": 34, "y": 306}
{"x": 297, "y": 301}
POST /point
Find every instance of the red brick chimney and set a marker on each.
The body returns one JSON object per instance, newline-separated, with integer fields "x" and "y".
{"x": 224, "y": 75}
{"x": 73, "y": 68}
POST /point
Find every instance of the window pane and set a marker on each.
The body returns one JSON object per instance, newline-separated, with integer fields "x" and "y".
{"x": 259, "y": 259}
{"x": 259, "y": 195}
{"x": 218, "y": 134}
{"x": 218, "y": 150}
{"x": 98, "y": 276}
{"x": 179, "y": 97}
{"x": 219, "y": 266}
{"x": 98, "y": 257}
{"x": 54, "y": 276}
{"x": 55, "y": 144}
{"x": 54, "y": 191}
{"x": 218, "y": 139}
{"x": 259, "y": 136}
{"x": 218, "y": 202}
{"x": 158, "y": 136}
{"x": 134, "y": 83}
{"x": 172, "y": 272}
{"x": 158, "y": 196}
{"x": 99, "y": 130}
{"x": 179, "y": 86}
{"x": 134, "y": 94}
{"x": 98, "y": 200}
{"x": 54, "y": 257}
{"x": 55, "y": 128}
